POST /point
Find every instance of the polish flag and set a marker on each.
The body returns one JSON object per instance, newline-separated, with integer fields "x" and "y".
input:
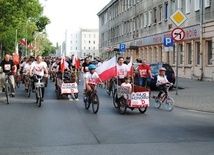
{"x": 63, "y": 64}
{"x": 76, "y": 62}
{"x": 130, "y": 68}
{"x": 16, "y": 55}
{"x": 107, "y": 69}
{"x": 23, "y": 42}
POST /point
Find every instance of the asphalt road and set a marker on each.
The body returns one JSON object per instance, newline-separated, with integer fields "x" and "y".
{"x": 64, "y": 127}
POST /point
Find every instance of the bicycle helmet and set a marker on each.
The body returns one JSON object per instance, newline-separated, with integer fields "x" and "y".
{"x": 91, "y": 66}
{"x": 162, "y": 69}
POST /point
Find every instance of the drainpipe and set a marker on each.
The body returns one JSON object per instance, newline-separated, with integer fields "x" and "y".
{"x": 201, "y": 40}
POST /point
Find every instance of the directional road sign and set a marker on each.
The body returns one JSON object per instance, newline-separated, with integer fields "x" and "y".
{"x": 178, "y": 34}
{"x": 178, "y": 17}
{"x": 122, "y": 47}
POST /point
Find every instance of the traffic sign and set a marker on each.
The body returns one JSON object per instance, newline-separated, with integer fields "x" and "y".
{"x": 178, "y": 34}
{"x": 168, "y": 41}
{"x": 122, "y": 47}
{"x": 178, "y": 17}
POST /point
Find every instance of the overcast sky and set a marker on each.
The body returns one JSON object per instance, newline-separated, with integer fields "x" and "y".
{"x": 71, "y": 14}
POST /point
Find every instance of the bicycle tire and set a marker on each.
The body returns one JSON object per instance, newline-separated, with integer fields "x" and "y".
{"x": 114, "y": 99}
{"x": 87, "y": 103}
{"x": 95, "y": 102}
{"x": 76, "y": 95}
{"x": 122, "y": 106}
{"x": 142, "y": 109}
{"x": 58, "y": 93}
{"x": 40, "y": 97}
{"x": 157, "y": 103}
{"x": 7, "y": 93}
{"x": 29, "y": 89}
{"x": 169, "y": 104}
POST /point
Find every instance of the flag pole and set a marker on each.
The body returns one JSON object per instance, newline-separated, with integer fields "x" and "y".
{"x": 16, "y": 39}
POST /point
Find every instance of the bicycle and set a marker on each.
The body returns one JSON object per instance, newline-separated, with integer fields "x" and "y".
{"x": 38, "y": 89}
{"x": 164, "y": 99}
{"x": 92, "y": 98}
{"x": 29, "y": 86}
{"x": 7, "y": 87}
{"x": 112, "y": 87}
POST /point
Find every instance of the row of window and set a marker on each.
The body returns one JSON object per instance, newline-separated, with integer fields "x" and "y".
{"x": 90, "y": 48}
{"x": 186, "y": 55}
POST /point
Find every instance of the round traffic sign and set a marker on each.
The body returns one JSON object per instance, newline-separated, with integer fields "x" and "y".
{"x": 178, "y": 34}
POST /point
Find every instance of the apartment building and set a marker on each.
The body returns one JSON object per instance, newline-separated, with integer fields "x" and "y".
{"x": 143, "y": 24}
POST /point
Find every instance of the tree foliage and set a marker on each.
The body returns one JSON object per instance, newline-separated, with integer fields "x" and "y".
{"x": 25, "y": 16}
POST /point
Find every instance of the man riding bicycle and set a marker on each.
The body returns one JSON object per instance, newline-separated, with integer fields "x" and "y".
{"x": 7, "y": 66}
{"x": 39, "y": 68}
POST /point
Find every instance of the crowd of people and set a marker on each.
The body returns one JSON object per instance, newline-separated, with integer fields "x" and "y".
{"x": 30, "y": 67}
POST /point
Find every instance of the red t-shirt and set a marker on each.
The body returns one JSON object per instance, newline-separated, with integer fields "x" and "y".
{"x": 144, "y": 70}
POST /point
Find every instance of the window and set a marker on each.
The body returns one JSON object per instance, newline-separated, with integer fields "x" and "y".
{"x": 89, "y": 48}
{"x": 172, "y": 6}
{"x": 160, "y": 12}
{"x": 155, "y": 15}
{"x": 188, "y": 4}
{"x": 76, "y": 48}
{"x": 180, "y": 4}
{"x": 89, "y": 42}
{"x": 94, "y": 48}
{"x": 197, "y": 49}
{"x": 89, "y": 35}
{"x": 94, "y": 35}
{"x": 150, "y": 18}
{"x": 180, "y": 53}
{"x": 145, "y": 19}
{"x": 207, "y": 3}
{"x": 209, "y": 51}
{"x": 197, "y": 5}
{"x": 94, "y": 42}
{"x": 188, "y": 53}
{"x": 84, "y": 48}
{"x": 166, "y": 11}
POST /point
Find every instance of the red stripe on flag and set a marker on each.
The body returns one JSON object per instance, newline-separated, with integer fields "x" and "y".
{"x": 107, "y": 74}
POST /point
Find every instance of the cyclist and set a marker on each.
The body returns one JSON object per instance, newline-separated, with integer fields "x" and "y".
{"x": 144, "y": 71}
{"x": 162, "y": 81}
{"x": 39, "y": 69}
{"x": 91, "y": 77}
{"x": 26, "y": 71}
{"x": 7, "y": 66}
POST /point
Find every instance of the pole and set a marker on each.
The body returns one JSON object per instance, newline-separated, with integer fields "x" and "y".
{"x": 201, "y": 40}
{"x": 176, "y": 49}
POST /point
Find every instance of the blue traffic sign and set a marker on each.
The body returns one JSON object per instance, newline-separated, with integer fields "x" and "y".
{"x": 168, "y": 41}
{"x": 122, "y": 47}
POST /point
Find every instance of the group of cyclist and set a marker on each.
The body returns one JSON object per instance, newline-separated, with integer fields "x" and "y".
{"x": 42, "y": 67}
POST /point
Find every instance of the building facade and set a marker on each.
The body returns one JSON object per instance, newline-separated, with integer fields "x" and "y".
{"x": 143, "y": 24}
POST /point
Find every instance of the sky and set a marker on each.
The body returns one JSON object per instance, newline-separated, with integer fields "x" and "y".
{"x": 72, "y": 15}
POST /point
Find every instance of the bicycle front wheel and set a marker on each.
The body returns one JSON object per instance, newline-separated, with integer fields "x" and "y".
{"x": 39, "y": 97}
{"x": 157, "y": 103}
{"x": 95, "y": 102}
{"x": 29, "y": 89}
{"x": 115, "y": 99}
{"x": 7, "y": 93}
{"x": 87, "y": 103}
{"x": 169, "y": 104}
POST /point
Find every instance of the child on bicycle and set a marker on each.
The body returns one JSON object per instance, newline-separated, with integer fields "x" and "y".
{"x": 127, "y": 83}
{"x": 91, "y": 77}
{"x": 162, "y": 81}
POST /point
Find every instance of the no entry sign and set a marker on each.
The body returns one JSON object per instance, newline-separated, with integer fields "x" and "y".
{"x": 178, "y": 34}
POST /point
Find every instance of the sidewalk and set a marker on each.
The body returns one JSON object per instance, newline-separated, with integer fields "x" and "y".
{"x": 195, "y": 95}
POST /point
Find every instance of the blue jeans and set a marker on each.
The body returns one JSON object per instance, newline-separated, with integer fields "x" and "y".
{"x": 142, "y": 81}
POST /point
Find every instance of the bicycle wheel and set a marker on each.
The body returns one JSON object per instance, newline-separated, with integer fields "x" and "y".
{"x": 76, "y": 95}
{"x": 115, "y": 99}
{"x": 95, "y": 102}
{"x": 7, "y": 93}
{"x": 29, "y": 89}
{"x": 169, "y": 104}
{"x": 39, "y": 97}
{"x": 142, "y": 109}
{"x": 157, "y": 103}
{"x": 87, "y": 103}
{"x": 122, "y": 106}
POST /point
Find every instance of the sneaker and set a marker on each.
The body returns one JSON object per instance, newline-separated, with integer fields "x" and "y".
{"x": 13, "y": 95}
{"x": 3, "y": 89}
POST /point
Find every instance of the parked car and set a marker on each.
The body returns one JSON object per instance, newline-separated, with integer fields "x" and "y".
{"x": 155, "y": 71}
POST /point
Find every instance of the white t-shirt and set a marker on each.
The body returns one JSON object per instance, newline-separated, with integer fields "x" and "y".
{"x": 161, "y": 80}
{"x": 39, "y": 69}
{"x": 127, "y": 85}
{"x": 27, "y": 68}
{"x": 91, "y": 78}
{"x": 122, "y": 71}
{"x": 23, "y": 64}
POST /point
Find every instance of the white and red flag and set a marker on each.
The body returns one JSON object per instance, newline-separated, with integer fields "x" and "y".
{"x": 63, "y": 64}
{"x": 130, "y": 68}
{"x": 76, "y": 62}
{"x": 107, "y": 69}
{"x": 16, "y": 55}
{"x": 23, "y": 42}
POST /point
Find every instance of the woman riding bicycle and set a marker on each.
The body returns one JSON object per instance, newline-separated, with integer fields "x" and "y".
{"x": 162, "y": 81}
